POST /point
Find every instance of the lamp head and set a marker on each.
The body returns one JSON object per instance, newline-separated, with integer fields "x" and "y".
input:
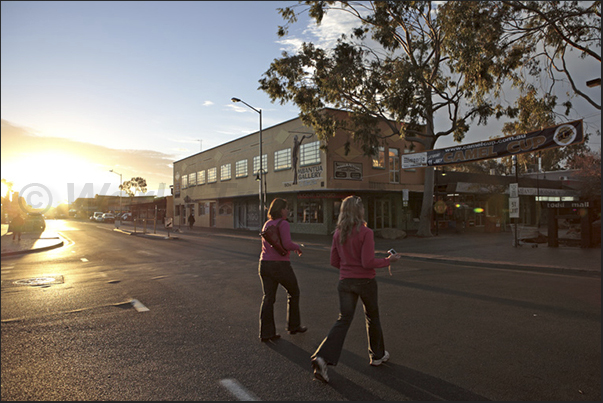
{"x": 235, "y": 99}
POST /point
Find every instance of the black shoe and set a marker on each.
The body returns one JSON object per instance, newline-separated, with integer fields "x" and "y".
{"x": 301, "y": 329}
{"x": 267, "y": 339}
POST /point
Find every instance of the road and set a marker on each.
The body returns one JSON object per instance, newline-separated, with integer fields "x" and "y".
{"x": 453, "y": 332}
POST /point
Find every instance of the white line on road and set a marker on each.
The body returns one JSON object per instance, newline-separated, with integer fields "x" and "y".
{"x": 238, "y": 390}
{"x": 139, "y": 306}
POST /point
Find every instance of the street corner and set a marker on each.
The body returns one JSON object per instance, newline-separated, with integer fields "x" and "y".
{"x": 29, "y": 244}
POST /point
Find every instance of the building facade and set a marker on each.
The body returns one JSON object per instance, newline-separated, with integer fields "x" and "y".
{"x": 221, "y": 186}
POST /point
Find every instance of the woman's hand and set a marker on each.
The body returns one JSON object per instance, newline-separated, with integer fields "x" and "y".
{"x": 299, "y": 252}
{"x": 393, "y": 258}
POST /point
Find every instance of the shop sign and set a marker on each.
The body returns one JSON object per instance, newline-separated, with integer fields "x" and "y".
{"x": 513, "y": 207}
{"x": 552, "y": 137}
{"x": 321, "y": 195}
{"x": 348, "y": 170}
{"x": 567, "y": 204}
{"x": 314, "y": 172}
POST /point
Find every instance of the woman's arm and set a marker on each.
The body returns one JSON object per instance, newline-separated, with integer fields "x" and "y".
{"x": 368, "y": 252}
{"x": 285, "y": 233}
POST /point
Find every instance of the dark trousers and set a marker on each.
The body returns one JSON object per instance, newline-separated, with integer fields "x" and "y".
{"x": 273, "y": 273}
{"x": 349, "y": 290}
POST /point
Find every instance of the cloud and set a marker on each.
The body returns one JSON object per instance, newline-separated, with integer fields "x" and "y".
{"x": 208, "y": 103}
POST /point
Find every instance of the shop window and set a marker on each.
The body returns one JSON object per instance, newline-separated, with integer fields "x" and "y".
{"x": 309, "y": 154}
{"x": 201, "y": 208}
{"x": 225, "y": 209}
{"x": 336, "y": 210}
{"x": 379, "y": 158}
{"x": 309, "y": 211}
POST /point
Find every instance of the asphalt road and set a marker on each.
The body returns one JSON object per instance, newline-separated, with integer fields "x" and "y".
{"x": 453, "y": 332}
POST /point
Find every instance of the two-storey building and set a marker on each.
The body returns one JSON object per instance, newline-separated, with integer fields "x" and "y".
{"x": 221, "y": 187}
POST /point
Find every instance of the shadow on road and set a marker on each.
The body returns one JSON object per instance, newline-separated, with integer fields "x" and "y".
{"x": 413, "y": 384}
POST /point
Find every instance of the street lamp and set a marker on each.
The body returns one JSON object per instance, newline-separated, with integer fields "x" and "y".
{"x": 120, "y": 183}
{"x": 261, "y": 170}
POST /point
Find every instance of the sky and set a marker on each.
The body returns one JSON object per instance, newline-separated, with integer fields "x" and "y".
{"x": 89, "y": 87}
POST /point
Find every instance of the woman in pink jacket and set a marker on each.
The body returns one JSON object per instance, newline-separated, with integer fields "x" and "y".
{"x": 275, "y": 269}
{"x": 353, "y": 253}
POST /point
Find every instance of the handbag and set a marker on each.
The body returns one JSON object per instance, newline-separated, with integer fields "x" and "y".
{"x": 272, "y": 235}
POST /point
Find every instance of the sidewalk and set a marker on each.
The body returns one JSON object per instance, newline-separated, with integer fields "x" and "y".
{"x": 480, "y": 249}
{"x": 30, "y": 242}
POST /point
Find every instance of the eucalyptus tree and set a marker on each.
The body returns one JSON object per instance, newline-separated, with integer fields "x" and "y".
{"x": 402, "y": 64}
{"x": 555, "y": 30}
{"x": 134, "y": 186}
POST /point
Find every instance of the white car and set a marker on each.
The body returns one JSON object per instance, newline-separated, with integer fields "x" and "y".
{"x": 107, "y": 217}
{"x": 96, "y": 216}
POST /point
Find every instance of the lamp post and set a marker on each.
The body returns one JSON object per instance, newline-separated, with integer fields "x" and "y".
{"x": 261, "y": 170}
{"x": 120, "y": 183}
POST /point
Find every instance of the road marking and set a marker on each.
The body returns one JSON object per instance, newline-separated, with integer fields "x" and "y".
{"x": 83, "y": 259}
{"x": 139, "y": 306}
{"x": 238, "y": 390}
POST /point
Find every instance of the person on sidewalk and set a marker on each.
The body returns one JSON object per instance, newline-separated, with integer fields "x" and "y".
{"x": 353, "y": 253}
{"x": 191, "y": 220}
{"x": 17, "y": 225}
{"x": 275, "y": 269}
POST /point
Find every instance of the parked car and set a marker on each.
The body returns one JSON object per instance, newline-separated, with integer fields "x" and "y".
{"x": 108, "y": 217}
{"x": 34, "y": 222}
{"x": 96, "y": 216}
{"x": 126, "y": 217}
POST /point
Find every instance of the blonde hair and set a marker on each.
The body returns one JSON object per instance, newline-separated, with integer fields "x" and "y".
{"x": 351, "y": 215}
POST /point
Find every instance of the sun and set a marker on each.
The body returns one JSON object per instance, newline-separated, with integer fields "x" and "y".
{"x": 44, "y": 177}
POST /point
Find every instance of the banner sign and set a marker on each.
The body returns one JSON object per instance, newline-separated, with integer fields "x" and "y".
{"x": 552, "y": 137}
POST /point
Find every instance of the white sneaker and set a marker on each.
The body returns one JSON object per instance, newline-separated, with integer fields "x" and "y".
{"x": 320, "y": 369}
{"x": 380, "y": 361}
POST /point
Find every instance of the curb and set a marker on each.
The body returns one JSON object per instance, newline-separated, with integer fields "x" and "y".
{"x": 503, "y": 265}
{"x": 34, "y": 250}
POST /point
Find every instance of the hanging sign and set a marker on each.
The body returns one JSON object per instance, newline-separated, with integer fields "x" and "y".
{"x": 552, "y": 137}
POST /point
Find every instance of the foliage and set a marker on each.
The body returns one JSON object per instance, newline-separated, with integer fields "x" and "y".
{"x": 409, "y": 75}
{"x": 588, "y": 165}
{"x": 545, "y": 32}
{"x": 134, "y": 186}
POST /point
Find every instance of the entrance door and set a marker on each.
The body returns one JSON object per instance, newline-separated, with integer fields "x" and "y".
{"x": 380, "y": 214}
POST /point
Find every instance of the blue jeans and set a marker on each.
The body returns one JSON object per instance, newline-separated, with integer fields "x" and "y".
{"x": 273, "y": 273}
{"x": 349, "y": 291}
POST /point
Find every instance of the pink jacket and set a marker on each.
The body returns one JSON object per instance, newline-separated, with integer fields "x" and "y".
{"x": 356, "y": 258}
{"x": 268, "y": 252}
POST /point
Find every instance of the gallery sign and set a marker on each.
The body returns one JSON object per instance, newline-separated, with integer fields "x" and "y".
{"x": 552, "y": 137}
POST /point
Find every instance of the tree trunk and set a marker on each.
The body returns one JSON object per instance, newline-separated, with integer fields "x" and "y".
{"x": 425, "y": 218}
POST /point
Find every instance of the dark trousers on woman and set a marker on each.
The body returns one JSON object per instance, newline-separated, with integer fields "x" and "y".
{"x": 349, "y": 291}
{"x": 273, "y": 273}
